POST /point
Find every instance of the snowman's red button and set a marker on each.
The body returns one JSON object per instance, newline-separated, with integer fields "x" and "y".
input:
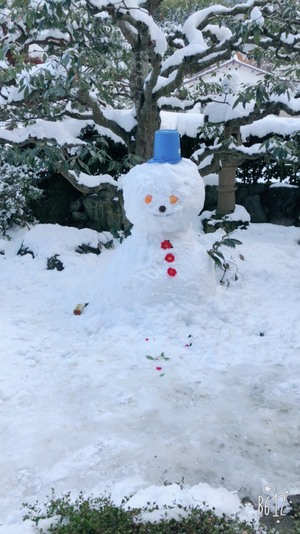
{"x": 169, "y": 258}
{"x": 171, "y": 271}
{"x": 166, "y": 244}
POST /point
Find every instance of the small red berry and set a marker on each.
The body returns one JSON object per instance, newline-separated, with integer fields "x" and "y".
{"x": 171, "y": 271}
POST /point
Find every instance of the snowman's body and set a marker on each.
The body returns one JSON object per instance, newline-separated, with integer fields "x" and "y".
{"x": 164, "y": 268}
{"x": 162, "y": 261}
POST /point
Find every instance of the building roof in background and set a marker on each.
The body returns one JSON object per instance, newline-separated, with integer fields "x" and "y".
{"x": 248, "y": 72}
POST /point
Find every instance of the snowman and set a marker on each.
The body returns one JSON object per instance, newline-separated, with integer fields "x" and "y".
{"x": 162, "y": 263}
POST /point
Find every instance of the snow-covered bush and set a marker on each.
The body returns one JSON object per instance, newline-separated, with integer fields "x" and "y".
{"x": 17, "y": 190}
{"x": 262, "y": 171}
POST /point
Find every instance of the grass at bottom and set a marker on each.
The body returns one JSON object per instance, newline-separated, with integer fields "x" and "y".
{"x": 62, "y": 515}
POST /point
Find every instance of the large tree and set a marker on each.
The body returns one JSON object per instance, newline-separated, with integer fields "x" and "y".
{"x": 113, "y": 65}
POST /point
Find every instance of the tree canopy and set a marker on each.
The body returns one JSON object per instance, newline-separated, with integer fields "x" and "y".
{"x": 113, "y": 65}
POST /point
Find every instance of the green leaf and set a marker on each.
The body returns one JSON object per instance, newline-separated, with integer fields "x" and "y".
{"x": 218, "y": 253}
{"x": 215, "y": 259}
{"x": 230, "y": 242}
{"x": 109, "y": 244}
{"x": 84, "y": 166}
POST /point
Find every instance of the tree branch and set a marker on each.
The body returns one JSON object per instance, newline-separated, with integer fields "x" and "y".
{"x": 99, "y": 117}
{"x": 86, "y": 190}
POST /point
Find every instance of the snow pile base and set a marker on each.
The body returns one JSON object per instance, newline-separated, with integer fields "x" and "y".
{"x": 84, "y": 409}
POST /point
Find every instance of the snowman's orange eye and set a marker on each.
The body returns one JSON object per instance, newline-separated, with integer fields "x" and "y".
{"x": 148, "y": 199}
{"x": 173, "y": 199}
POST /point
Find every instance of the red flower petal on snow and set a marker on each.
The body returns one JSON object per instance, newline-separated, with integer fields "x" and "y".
{"x": 169, "y": 258}
{"x": 166, "y": 244}
{"x": 171, "y": 271}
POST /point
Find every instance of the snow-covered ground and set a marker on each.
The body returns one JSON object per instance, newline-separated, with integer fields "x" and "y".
{"x": 214, "y": 411}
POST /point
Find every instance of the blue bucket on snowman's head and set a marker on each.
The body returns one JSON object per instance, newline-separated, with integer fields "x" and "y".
{"x": 166, "y": 147}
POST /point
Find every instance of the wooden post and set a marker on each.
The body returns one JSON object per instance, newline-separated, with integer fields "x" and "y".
{"x": 229, "y": 164}
{"x": 226, "y": 188}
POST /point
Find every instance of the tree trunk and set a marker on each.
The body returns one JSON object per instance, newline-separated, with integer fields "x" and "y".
{"x": 149, "y": 122}
{"x": 147, "y": 111}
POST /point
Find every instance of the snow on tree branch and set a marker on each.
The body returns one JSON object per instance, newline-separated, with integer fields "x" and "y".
{"x": 131, "y": 12}
{"x": 86, "y": 183}
{"x": 112, "y": 63}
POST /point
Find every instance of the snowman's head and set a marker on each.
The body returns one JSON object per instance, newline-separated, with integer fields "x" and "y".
{"x": 163, "y": 197}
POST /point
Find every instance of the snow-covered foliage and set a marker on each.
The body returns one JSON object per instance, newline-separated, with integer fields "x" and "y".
{"x": 114, "y": 64}
{"x": 17, "y": 190}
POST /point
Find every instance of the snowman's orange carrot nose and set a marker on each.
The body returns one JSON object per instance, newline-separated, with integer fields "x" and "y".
{"x": 173, "y": 199}
{"x": 148, "y": 199}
